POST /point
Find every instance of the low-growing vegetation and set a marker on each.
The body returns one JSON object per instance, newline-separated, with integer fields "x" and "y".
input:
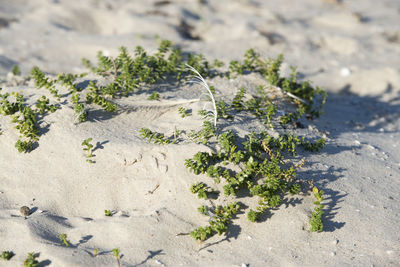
{"x": 259, "y": 164}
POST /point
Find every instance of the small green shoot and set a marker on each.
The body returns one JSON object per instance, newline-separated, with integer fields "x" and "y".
{"x": 64, "y": 240}
{"x": 108, "y": 213}
{"x": 87, "y": 146}
{"x": 154, "y": 96}
{"x": 116, "y": 254}
{"x": 183, "y": 112}
{"x": 31, "y": 260}
{"x": 7, "y": 255}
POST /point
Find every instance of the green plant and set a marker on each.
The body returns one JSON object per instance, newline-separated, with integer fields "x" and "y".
{"x": 31, "y": 260}
{"x": 116, "y": 253}
{"x": 87, "y": 146}
{"x": 154, "y": 96}
{"x": 156, "y": 138}
{"x": 41, "y": 81}
{"x": 219, "y": 220}
{"x": 183, "y": 112}
{"x": 108, "y": 213}
{"x": 43, "y": 105}
{"x": 64, "y": 240}
{"x": 7, "y": 255}
{"x": 316, "y": 224}
{"x": 207, "y": 131}
{"x": 16, "y": 70}
{"x": 202, "y": 190}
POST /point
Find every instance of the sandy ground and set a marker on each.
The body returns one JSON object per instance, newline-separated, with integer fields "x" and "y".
{"x": 351, "y": 48}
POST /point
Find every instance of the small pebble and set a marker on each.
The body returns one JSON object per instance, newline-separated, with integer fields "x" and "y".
{"x": 25, "y": 211}
{"x": 333, "y": 253}
{"x": 344, "y": 72}
{"x": 244, "y": 265}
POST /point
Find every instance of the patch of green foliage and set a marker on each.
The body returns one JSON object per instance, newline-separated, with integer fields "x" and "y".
{"x": 258, "y": 163}
{"x": 154, "y": 96}
{"x": 64, "y": 240}
{"x": 108, "y": 213}
{"x": 316, "y": 224}
{"x": 7, "y": 255}
{"x": 16, "y": 70}
{"x": 220, "y": 218}
{"x": 31, "y": 260}
{"x": 88, "y": 147}
{"x": 183, "y": 112}
{"x": 154, "y": 137}
{"x": 202, "y": 190}
{"x": 24, "y": 117}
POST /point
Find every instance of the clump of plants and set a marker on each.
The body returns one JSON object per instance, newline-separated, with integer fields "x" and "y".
{"x": 259, "y": 164}
{"x": 154, "y": 137}
{"x": 263, "y": 165}
{"x": 220, "y": 217}
{"x": 7, "y": 255}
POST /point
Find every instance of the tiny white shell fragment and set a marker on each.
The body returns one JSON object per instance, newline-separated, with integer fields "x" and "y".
{"x": 344, "y": 72}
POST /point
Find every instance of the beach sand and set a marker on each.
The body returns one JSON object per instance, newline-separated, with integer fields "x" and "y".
{"x": 350, "y": 48}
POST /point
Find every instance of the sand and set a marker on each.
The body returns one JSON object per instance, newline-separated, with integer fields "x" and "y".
{"x": 351, "y": 48}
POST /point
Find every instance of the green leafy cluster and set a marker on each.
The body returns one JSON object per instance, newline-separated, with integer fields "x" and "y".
{"x": 154, "y": 96}
{"x": 24, "y": 117}
{"x": 16, "y": 70}
{"x": 64, "y": 240}
{"x": 183, "y": 112}
{"x": 203, "y": 136}
{"x": 31, "y": 260}
{"x": 264, "y": 170}
{"x": 270, "y": 69}
{"x": 316, "y": 217}
{"x": 201, "y": 189}
{"x": 154, "y": 137}
{"x": 88, "y": 147}
{"x": 108, "y": 213}
{"x": 220, "y": 218}
{"x": 41, "y": 81}
{"x": 7, "y": 255}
